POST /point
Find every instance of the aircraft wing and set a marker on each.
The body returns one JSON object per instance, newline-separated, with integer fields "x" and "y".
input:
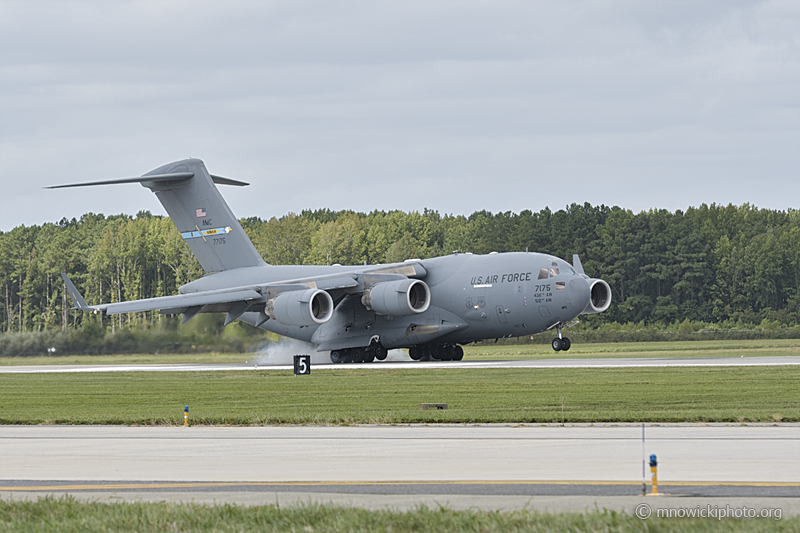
{"x": 180, "y": 300}
{"x": 195, "y": 299}
{"x": 304, "y": 301}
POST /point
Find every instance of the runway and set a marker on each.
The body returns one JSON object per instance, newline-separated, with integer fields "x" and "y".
{"x": 488, "y": 466}
{"x": 531, "y": 363}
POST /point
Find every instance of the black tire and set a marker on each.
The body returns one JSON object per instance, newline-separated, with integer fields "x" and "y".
{"x": 415, "y": 353}
{"x": 566, "y": 344}
{"x": 458, "y": 353}
{"x": 357, "y": 355}
{"x": 369, "y": 356}
{"x": 337, "y": 357}
{"x": 448, "y": 352}
{"x": 557, "y": 344}
{"x": 438, "y": 353}
{"x": 381, "y": 353}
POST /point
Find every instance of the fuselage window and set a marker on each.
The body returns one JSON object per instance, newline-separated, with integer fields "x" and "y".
{"x": 543, "y": 273}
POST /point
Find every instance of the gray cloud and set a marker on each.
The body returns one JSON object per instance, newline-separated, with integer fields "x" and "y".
{"x": 456, "y": 106}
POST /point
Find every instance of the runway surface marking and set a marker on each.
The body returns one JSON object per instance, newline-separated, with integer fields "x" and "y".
{"x": 437, "y": 438}
{"x": 789, "y": 360}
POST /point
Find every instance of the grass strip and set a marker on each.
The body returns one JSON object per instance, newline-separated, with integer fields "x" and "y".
{"x": 67, "y": 514}
{"x": 389, "y": 396}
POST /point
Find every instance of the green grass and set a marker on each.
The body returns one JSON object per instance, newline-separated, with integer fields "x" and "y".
{"x": 365, "y": 396}
{"x": 492, "y": 352}
{"x": 67, "y": 514}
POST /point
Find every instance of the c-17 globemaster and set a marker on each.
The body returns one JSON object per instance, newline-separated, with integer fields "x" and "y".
{"x": 358, "y": 313}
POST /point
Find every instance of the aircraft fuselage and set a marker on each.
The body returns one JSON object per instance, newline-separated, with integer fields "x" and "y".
{"x": 473, "y": 297}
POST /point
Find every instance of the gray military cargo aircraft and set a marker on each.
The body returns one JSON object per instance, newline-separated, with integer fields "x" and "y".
{"x": 358, "y": 313}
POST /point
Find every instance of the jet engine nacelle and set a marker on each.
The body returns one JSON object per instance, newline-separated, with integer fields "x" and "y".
{"x": 398, "y": 298}
{"x": 301, "y": 308}
{"x": 599, "y": 297}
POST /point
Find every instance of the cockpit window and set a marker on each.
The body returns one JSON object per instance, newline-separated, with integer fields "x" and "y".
{"x": 555, "y": 270}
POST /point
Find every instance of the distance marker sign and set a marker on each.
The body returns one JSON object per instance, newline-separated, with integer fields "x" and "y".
{"x": 302, "y": 365}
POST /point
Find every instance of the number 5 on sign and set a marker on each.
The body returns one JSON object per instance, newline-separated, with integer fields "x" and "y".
{"x": 302, "y": 365}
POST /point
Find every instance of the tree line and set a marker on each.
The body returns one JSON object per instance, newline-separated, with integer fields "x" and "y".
{"x": 714, "y": 264}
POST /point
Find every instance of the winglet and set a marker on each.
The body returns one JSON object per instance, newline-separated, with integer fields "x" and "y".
{"x": 576, "y": 264}
{"x": 77, "y": 300}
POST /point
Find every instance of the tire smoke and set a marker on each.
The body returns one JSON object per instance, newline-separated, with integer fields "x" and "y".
{"x": 283, "y": 352}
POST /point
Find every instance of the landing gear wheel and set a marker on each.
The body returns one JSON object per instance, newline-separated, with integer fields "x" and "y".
{"x": 446, "y": 353}
{"x": 458, "y": 353}
{"x": 381, "y": 353}
{"x": 369, "y": 356}
{"x": 357, "y": 355}
{"x": 565, "y": 344}
{"x": 557, "y": 344}
{"x": 427, "y": 353}
{"x": 415, "y": 353}
{"x": 337, "y": 357}
{"x": 439, "y": 353}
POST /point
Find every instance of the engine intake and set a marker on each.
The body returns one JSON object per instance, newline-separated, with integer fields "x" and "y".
{"x": 599, "y": 297}
{"x": 301, "y": 308}
{"x": 398, "y": 298}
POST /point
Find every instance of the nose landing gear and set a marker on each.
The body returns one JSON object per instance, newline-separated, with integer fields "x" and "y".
{"x": 561, "y": 343}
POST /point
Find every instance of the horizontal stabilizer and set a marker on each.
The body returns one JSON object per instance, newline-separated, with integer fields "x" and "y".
{"x": 177, "y": 176}
{"x": 219, "y": 180}
{"x": 174, "y": 177}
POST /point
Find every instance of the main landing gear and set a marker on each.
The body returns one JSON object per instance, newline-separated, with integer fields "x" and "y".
{"x": 560, "y": 343}
{"x": 428, "y": 352}
{"x": 441, "y": 352}
{"x": 360, "y": 355}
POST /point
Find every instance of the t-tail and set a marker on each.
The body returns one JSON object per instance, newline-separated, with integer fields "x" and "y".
{"x": 187, "y": 192}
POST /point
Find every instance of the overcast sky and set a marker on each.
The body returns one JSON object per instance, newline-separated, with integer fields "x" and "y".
{"x": 452, "y": 105}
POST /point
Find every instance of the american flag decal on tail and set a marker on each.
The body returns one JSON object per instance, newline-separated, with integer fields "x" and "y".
{"x": 200, "y": 211}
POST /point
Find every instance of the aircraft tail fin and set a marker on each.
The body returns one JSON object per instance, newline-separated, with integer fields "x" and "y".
{"x": 187, "y": 192}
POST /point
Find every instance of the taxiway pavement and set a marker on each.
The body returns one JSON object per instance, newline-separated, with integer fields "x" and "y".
{"x": 487, "y": 466}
